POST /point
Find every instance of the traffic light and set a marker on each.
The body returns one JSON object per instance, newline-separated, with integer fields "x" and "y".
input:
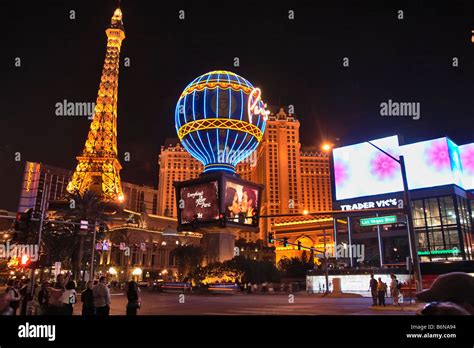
{"x": 194, "y": 223}
{"x": 285, "y": 241}
{"x": 44, "y": 260}
{"x": 23, "y": 220}
{"x": 254, "y": 218}
{"x": 271, "y": 240}
{"x": 299, "y": 245}
{"x": 222, "y": 219}
{"x": 22, "y": 226}
{"x": 103, "y": 227}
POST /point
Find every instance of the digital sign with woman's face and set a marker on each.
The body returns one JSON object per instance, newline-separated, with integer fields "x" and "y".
{"x": 240, "y": 202}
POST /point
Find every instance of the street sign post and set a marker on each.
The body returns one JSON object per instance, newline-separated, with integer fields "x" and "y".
{"x": 380, "y": 220}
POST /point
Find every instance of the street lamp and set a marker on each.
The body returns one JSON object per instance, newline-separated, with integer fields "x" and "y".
{"x": 326, "y": 147}
{"x": 409, "y": 213}
{"x": 121, "y": 197}
{"x": 137, "y": 272}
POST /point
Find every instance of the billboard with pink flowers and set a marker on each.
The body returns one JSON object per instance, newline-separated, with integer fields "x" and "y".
{"x": 467, "y": 160}
{"x": 431, "y": 163}
{"x": 361, "y": 170}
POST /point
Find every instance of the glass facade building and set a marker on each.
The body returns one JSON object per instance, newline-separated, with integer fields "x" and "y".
{"x": 440, "y": 176}
{"x": 443, "y": 225}
{"x": 443, "y": 222}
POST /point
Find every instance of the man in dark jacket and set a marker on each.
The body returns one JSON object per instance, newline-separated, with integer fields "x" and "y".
{"x": 87, "y": 299}
{"x": 373, "y": 289}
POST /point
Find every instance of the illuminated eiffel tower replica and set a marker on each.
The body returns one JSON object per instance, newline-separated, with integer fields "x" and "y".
{"x": 98, "y": 167}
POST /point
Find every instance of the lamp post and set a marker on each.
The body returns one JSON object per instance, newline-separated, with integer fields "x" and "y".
{"x": 409, "y": 213}
{"x": 327, "y": 148}
{"x": 326, "y": 272}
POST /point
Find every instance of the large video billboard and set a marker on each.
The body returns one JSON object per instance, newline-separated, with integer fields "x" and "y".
{"x": 240, "y": 202}
{"x": 431, "y": 163}
{"x": 199, "y": 202}
{"x": 467, "y": 160}
{"x": 362, "y": 170}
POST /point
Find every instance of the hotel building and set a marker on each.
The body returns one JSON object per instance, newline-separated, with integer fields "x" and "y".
{"x": 295, "y": 180}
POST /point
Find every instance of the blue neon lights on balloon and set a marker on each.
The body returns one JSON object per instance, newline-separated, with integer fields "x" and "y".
{"x": 220, "y": 119}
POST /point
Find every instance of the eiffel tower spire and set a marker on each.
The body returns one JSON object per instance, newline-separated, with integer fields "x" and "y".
{"x": 98, "y": 167}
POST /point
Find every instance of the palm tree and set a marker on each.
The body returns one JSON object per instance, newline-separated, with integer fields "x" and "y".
{"x": 188, "y": 257}
{"x": 87, "y": 206}
{"x": 58, "y": 242}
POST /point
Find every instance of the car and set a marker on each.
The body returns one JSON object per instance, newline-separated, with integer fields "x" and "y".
{"x": 143, "y": 284}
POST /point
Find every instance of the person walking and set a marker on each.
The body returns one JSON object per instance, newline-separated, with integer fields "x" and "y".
{"x": 87, "y": 299}
{"x": 55, "y": 296}
{"x": 394, "y": 289}
{"x": 43, "y": 299}
{"x": 23, "y": 290}
{"x": 34, "y": 301}
{"x": 381, "y": 292}
{"x": 133, "y": 297}
{"x": 101, "y": 294}
{"x": 373, "y": 289}
{"x": 13, "y": 295}
{"x": 69, "y": 298}
{"x": 5, "y": 308}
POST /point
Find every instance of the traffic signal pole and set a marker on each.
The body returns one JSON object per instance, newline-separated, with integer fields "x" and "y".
{"x": 411, "y": 229}
{"x": 326, "y": 272}
{"x": 44, "y": 200}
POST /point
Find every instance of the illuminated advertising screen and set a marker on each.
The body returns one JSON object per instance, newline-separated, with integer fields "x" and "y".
{"x": 431, "y": 163}
{"x": 199, "y": 202}
{"x": 467, "y": 160}
{"x": 240, "y": 202}
{"x": 362, "y": 170}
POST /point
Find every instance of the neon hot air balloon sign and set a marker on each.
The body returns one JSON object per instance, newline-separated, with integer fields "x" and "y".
{"x": 220, "y": 119}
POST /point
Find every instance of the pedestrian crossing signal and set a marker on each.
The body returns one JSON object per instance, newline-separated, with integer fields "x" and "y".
{"x": 25, "y": 260}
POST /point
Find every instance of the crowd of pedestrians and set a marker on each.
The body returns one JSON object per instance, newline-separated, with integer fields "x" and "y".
{"x": 61, "y": 298}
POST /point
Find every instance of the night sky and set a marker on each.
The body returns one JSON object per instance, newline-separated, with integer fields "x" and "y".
{"x": 296, "y": 62}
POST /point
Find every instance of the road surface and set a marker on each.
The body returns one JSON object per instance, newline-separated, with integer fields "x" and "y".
{"x": 257, "y": 304}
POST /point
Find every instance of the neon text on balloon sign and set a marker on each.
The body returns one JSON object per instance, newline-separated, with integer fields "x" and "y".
{"x": 253, "y": 108}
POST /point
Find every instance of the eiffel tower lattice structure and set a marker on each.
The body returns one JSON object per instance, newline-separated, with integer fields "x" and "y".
{"x": 98, "y": 168}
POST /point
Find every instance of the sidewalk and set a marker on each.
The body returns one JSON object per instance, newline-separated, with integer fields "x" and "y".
{"x": 404, "y": 307}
